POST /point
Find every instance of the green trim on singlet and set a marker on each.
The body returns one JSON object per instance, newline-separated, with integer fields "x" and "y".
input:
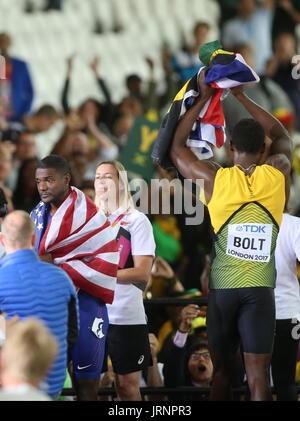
{"x": 230, "y": 272}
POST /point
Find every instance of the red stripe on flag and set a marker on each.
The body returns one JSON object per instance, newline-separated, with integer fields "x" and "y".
{"x": 220, "y": 137}
{"x": 106, "y": 294}
{"x": 67, "y": 220}
{"x": 214, "y": 114}
{"x": 110, "y": 247}
{"x": 64, "y": 250}
{"x": 91, "y": 208}
{"x": 102, "y": 266}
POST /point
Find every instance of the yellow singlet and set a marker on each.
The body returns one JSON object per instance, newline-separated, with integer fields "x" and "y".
{"x": 246, "y": 213}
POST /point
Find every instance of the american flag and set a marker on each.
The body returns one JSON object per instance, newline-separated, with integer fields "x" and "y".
{"x": 81, "y": 242}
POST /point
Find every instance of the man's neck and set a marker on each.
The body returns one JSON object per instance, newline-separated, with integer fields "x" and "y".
{"x": 12, "y": 382}
{"x": 10, "y": 250}
{"x": 55, "y": 205}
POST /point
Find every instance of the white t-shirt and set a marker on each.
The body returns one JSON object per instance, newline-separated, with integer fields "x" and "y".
{"x": 128, "y": 307}
{"x": 287, "y": 296}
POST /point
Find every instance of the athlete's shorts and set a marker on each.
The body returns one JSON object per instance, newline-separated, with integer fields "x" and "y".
{"x": 128, "y": 348}
{"x": 241, "y": 316}
{"x": 88, "y": 353}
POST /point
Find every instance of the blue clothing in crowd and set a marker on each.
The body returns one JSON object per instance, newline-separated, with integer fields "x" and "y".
{"x": 32, "y": 288}
{"x": 21, "y": 89}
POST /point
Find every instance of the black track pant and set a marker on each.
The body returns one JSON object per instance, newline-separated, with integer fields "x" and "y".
{"x": 284, "y": 359}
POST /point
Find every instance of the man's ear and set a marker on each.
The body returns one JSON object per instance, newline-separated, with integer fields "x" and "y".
{"x": 263, "y": 148}
{"x": 1, "y": 239}
{"x": 68, "y": 178}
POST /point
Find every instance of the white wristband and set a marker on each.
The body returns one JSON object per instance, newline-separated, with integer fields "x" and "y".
{"x": 180, "y": 339}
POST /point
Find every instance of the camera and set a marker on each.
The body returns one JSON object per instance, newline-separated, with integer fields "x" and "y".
{"x": 3, "y": 204}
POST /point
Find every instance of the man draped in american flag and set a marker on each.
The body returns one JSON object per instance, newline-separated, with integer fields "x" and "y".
{"x": 72, "y": 234}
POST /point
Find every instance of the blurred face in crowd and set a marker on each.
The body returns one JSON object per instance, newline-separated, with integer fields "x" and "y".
{"x": 77, "y": 143}
{"x": 89, "y": 110}
{"x": 26, "y": 146}
{"x": 89, "y": 191}
{"x": 5, "y": 43}
{"x": 123, "y": 126}
{"x": 285, "y": 45}
{"x": 200, "y": 33}
{"x": 52, "y": 185}
{"x": 29, "y": 171}
{"x": 130, "y": 106}
{"x": 45, "y": 122}
{"x": 200, "y": 366}
{"x": 134, "y": 86}
{"x": 246, "y": 8}
{"x": 5, "y": 162}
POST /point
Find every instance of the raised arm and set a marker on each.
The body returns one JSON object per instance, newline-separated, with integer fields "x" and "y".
{"x": 184, "y": 160}
{"x": 281, "y": 150}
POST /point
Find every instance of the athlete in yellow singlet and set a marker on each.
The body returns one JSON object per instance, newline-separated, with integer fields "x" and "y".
{"x": 245, "y": 204}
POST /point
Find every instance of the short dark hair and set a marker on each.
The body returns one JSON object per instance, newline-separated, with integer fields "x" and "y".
{"x": 201, "y": 23}
{"x": 133, "y": 78}
{"x": 57, "y": 162}
{"x": 248, "y": 136}
{"x": 47, "y": 110}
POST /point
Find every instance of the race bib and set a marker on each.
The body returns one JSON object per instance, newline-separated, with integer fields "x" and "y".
{"x": 250, "y": 241}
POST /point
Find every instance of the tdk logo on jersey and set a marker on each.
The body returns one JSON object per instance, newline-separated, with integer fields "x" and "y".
{"x": 251, "y": 228}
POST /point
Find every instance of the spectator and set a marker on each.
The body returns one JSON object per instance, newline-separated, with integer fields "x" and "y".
{"x": 87, "y": 187}
{"x": 286, "y": 17}
{"x": 25, "y": 195}
{"x": 153, "y": 376}
{"x": 25, "y": 148}
{"x": 188, "y": 363}
{"x": 72, "y": 234}
{"x": 41, "y": 120}
{"x": 16, "y": 90}
{"x": 3, "y": 213}
{"x": 287, "y": 305}
{"x": 5, "y": 168}
{"x": 104, "y": 112}
{"x": 53, "y": 5}
{"x": 252, "y": 23}
{"x": 281, "y": 68}
{"x": 127, "y": 339}
{"x": 269, "y": 94}
{"x": 168, "y": 329}
{"x": 149, "y": 103}
{"x": 37, "y": 289}
{"x": 26, "y": 358}
{"x": 122, "y": 127}
{"x": 186, "y": 62}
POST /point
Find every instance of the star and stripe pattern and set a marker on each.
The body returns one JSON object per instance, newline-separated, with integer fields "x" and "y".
{"x": 81, "y": 242}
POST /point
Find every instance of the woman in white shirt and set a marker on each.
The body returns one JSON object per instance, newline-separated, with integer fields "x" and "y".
{"x": 127, "y": 339}
{"x": 287, "y": 307}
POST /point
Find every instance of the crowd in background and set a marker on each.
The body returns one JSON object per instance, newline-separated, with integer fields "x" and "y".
{"x": 265, "y": 34}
